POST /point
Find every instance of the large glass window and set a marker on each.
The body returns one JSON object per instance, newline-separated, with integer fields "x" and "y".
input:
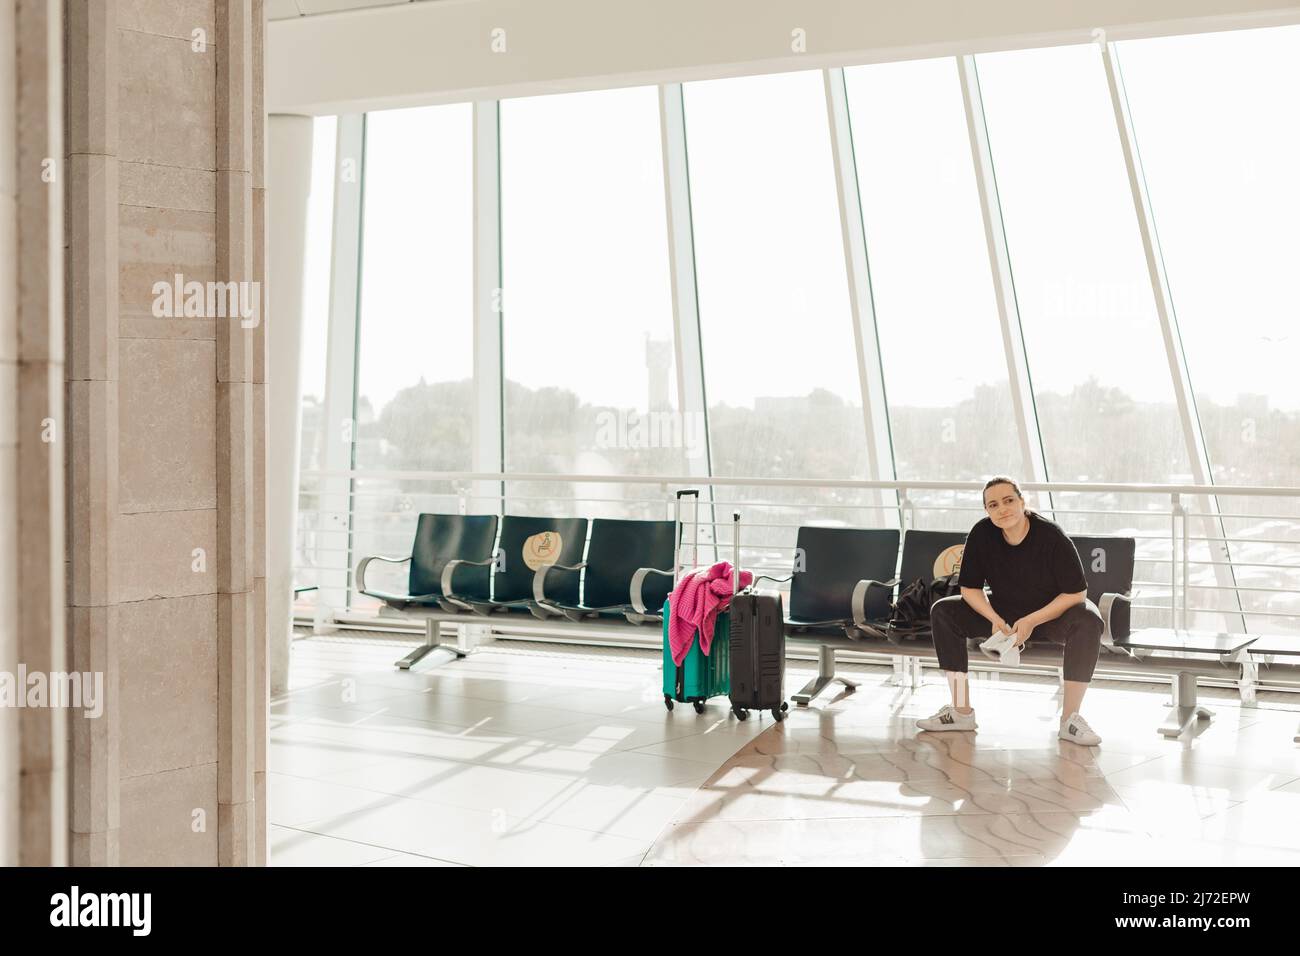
{"x": 945, "y": 367}
{"x": 590, "y": 385}
{"x": 1100, "y": 374}
{"x": 1217, "y": 122}
{"x": 415, "y": 386}
{"x": 313, "y": 543}
{"x": 781, "y": 371}
{"x": 588, "y": 352}
{"x": 780, "y": 361}
{"x": 316, "y": 283}
{"x": 414, "y": 346}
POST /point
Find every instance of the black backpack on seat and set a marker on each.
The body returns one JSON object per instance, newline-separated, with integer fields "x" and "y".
{"x": 909, "y": 617}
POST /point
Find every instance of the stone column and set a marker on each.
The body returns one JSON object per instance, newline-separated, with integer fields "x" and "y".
{"x": 41, "y": 427}
{"x": 9, "y": 750}
{"x": 239, "y": 438}
{"x": 188, "y": 538}
{"x": 166, "y": 523}
{"x": 92, "y": 399}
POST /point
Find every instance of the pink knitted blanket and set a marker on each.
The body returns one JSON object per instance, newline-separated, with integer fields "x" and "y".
{"x": 694, "y": 606}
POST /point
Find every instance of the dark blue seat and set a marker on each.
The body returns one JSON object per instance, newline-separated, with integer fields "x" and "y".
{"x": 922, "y": 551}
{"x": 628, "y": 573}
{"x": 1108, "y": 567}
{"x": 926, "y": 555}
{"x": 829, "y": 590}
{"x": 559, "y": 540}
{"x": 440, "y": 539}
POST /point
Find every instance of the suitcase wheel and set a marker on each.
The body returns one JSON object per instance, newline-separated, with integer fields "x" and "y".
{"x": 740, "y": 712}
{"x": 699, "y": 706}
{"x": 668, "y": 702}
{"x": 778, "y": 713}
{"x": 784, "y": 705}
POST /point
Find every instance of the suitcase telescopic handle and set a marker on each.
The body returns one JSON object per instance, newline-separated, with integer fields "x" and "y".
{"x": 735, "y": 552}
{"x": 695, "y": 520}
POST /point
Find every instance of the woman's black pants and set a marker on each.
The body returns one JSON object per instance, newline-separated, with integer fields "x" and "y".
{"x": 955, "y": 622}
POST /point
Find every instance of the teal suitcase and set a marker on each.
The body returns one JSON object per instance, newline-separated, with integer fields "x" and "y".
{"x": 700, "y": 676}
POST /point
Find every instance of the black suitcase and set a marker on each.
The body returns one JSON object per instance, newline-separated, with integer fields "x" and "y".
{"x": 757, "y": 645}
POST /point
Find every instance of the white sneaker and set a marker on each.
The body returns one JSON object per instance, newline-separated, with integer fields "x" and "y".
{"x": 1002, "y": 648}
{"x": 1077, "y": 731}
{"x": 948, "y": 719}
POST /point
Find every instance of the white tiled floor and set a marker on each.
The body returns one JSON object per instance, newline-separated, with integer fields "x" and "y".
{"x": 545, "y": 754}
{"x": 516, "y": 755}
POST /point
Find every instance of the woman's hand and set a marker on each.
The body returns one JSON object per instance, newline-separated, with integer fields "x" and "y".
{"x": 1022, "y": 630}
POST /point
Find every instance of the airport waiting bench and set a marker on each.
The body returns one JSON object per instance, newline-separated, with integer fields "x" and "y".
{"x": 843, "y": 586}
{"x": 459, "y": 572}
{"x": 841, "y": 591}
{"x": 1108, "y": 564}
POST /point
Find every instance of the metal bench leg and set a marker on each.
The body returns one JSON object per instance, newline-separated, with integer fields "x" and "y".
{"x": 1186, "y": 711}
{"x": 907, "y": 671}
{"x": 431, "y": 634}
{"x": 1296, "y": 738}
{"x": 1246, "y": 685}
{"x": 825, "y": 675}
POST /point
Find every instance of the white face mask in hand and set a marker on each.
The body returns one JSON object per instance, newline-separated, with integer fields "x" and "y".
{"x": 1002, "y": 648}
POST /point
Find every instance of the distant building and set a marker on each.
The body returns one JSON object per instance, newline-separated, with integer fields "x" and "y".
{"x": 659, "y": 363}
{"x": 1256, "y": 406}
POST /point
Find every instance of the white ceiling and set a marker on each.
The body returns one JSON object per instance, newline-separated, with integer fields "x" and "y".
{"x": 380, "y": 54}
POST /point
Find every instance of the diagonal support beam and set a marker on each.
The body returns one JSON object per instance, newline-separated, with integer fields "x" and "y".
{"x": 1034, "y": 463}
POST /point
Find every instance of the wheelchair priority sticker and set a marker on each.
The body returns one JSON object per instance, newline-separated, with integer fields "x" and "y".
{"x": 949, "y": 561}
{"x": 542, "y": 549}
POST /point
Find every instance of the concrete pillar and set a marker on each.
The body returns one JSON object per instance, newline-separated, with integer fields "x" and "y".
{"x": 238, "y": 437}
{"x": 167, "y": 444}
{"x": 289, "y": 177}
{"x": 9, "y": 765}
{"x": 93, "y": 437}
{"x": 132, "y": 438}
{"x": 41, "y": 427}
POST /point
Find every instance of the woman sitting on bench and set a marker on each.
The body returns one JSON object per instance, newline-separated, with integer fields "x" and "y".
{"x": 1039, "y": 590}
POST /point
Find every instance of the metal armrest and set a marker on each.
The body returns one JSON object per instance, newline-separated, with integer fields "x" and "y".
{"x": 361, "y": 568}
{"x": 638, "y": 582}
{"x": 859, "y": 599}
{"x": 450, "y": 570}
{"x": 1105, "y": 605}
{"x": 539, "y": 579}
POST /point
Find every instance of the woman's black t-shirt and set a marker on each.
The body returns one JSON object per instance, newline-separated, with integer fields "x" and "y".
{"x": 1023, "y": 577}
